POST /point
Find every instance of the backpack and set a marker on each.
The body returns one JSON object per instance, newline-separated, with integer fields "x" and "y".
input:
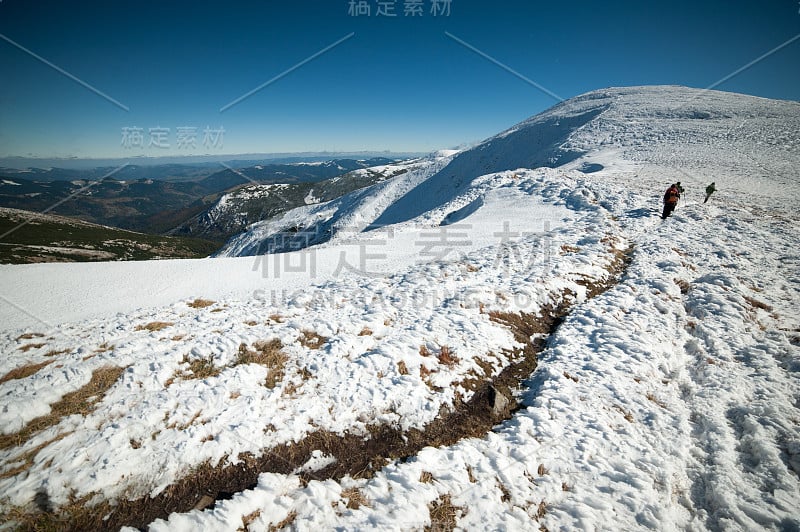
{"x": 672, "y": 195}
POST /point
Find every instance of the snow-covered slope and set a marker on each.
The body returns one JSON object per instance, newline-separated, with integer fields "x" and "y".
{"x": 667, "y": 402}
{"x": 351, "y": 213}
{"x": 691, "y": 134}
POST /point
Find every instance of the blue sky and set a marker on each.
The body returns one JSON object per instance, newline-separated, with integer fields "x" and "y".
{"x": 397, "y": 84}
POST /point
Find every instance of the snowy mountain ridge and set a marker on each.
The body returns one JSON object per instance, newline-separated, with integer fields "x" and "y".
{"x": 665, "y": 128}
{"x": 665, "y": 399}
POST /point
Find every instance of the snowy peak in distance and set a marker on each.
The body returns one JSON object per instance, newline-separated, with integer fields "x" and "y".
{"x": 678, "y": 129}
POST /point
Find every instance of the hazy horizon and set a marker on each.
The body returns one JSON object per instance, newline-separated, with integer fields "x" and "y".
{"x": 108, "y": 80}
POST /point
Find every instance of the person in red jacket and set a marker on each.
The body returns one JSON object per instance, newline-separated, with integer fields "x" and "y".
{"x": 671, "y": 197}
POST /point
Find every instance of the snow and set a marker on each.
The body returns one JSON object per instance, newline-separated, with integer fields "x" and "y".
{"x": 667, "y": 402}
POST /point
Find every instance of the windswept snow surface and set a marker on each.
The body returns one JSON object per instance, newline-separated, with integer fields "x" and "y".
{"x": 669, "y": 401}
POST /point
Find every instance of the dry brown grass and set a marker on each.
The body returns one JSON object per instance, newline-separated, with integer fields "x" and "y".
{"x": 651, "y": 397}
{"x": 56, "y": 352}
{"x": 311, "y": 339}
{"x": 28, "y": 347}
{"x": 402, "y": 369}
{"x": 566, "y": 248}
{"x": 154, "y": 326}
{"x": 471, "y": 475}
{"x": 24, "y": 371}
{"x": 424, "y": 351}
{"x": 570, "y": 377}
{"x": 29, "y": 456}
{"x": 443, "y": 515}
{"x": 447, "y": 356}
{"x": 627, "y": 415}
{"x": 426, "y": 477}
{"x": 542, "y": 470}
{"x": 203, "y": 368}
{"x": 201, "y": 303}
{"x": 268, "y": 354}
{"x": 248, "y": 519}
{"x": 285, "y": 523}
{"x": 251, "y": 323}
{"x": 541, "y": 511}
{"x": 355, "y": 499}
{"x": 81, "y": 401}
{"x": 758, "y": 304}
{"x": 29, "y": 336}
{"x": 366, "y": 331}
{"x": 505, "y": 495}
{"x": 185, "y": 425}
{"x": 683, "y": 285}
{"x": 75, "y": 515}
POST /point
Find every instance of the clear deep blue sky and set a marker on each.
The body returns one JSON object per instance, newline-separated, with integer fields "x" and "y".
{"x": 398, "y": 84}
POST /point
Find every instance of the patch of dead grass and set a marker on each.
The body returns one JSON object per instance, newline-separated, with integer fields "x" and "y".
{"x": 288, "y": 520}
{"x": 443, "y": 515}
{"x": 402, "y": 369}
{"x": 756, "y": 304}
{"x": 627, "y": 415}
{"x": 269, "y": 354}
{"x": 447, "y": 356}
{"x": 24, "y": 371}
{"x": 355, "y": 498}
{"x": 505, "y": 495}
{"x": 56, "y": 352}
{"x": 684, "y": 285}
{"x": 204, "y": 368}
{"x": 154, "y": 326}
{"x": 541, "y": 511}
{"x": 651, "y": 397}
{"x": 566, "y": 248}
{"x": 29, "y": 336}
{"x": 29, "y": 456}
{"x": 570, "y": 377}
{"x": 82, "y": 401}
{"x": 74, "y": 515}
{"x": 27, "y": 347}
{"x": 311, "y": 339}
{"x": 201, "y": 303}
{"x": 248, "y": 519}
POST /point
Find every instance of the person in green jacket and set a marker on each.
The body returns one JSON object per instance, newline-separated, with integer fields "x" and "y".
{"x": 709, "y": 190}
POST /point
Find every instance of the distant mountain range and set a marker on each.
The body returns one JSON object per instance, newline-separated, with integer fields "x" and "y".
{"x": 252, "y": 203}
{"x": 152, "y": 199}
